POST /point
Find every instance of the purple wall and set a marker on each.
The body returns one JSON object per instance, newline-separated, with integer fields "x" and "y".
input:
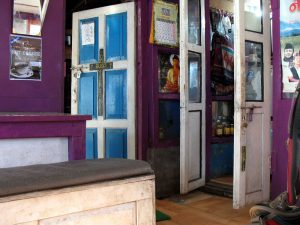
{"x": 147, "y": 97}
{"x": 142, "y": 78}
{"x": 147, "y": 83}
{"x": 34, "y": 96}
{"x": 281, "y": 109}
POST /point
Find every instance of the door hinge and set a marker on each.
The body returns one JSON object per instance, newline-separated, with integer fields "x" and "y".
{"x": 243, "y": 158}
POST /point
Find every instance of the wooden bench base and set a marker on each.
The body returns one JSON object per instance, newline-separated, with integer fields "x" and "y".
{"x": 121, "y": 202}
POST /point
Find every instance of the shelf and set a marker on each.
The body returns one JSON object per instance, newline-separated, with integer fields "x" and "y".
{"x": 222, "y": 98}
{"x": 166, "y": 143}
{"x": 169, "y": 96}
{"x": 220, "y": 140}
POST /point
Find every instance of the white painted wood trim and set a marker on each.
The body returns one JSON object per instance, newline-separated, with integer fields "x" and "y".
{"x": 43, "y": 11}
{"x": 239, "y": 188}
{"x": 75, "y": 62}
{"x": 183, "y": 87}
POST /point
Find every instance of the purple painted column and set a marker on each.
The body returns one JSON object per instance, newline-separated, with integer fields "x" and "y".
{"x": 281, "y": 109}
{"x": 208, "y": 91}
{"x": 142, "y": 78}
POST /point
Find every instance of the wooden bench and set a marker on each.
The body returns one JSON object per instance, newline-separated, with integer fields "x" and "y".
{"x": 84, "y": 192}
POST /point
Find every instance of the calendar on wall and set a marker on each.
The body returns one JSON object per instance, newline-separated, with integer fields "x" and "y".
{"x": 164, "y": 30}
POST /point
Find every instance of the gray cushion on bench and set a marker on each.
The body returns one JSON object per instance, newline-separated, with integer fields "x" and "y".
{"x": 26, "y": 179}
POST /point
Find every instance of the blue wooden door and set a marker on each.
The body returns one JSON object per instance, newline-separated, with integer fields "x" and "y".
{"x": 109, "y": 94}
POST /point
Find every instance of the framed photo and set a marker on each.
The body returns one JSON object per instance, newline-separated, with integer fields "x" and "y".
{"x": 25, "y": 58}
{"x": 168, "y": 73}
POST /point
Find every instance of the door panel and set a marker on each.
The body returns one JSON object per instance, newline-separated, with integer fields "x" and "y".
{"x": 91, "y": 144}
{"x": 88, "y": 47}
{"x": 116, "y": 143}
{"x": 88, "y": 94}
{"x": 116, "y": 37}
{"x": 108, "y": 93}
{"x": 116, "y": 94}
{"x": 195, "y": 146}
{"x": 254, "y": 158}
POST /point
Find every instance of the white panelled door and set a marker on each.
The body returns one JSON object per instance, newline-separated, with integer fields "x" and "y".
{"x": 252, "y": 102}
{"x": 192, "y": 95}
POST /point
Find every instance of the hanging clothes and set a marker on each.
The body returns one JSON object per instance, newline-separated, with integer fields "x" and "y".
{"x": 222, "y": 54}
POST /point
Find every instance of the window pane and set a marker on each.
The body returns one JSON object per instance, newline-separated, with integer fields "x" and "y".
{"x": 253, "y": 15}
{"x": 194, "y": 22}
{"x": 254, "y": 71}
{"x": 26, "y": 17}
{"x": 195, "y": 77}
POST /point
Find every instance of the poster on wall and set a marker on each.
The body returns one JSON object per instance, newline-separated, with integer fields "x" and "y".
{"x": 290, "y": 45}
{"x": 164, "y": 27}
{"x": 168, "y": 73}
{"x": 25, "y": 58}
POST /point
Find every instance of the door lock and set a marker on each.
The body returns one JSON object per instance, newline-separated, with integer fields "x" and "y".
{"x": 77, "y": 70}
{"x": 243, "y": 159}
{"x": 250, "y": 112}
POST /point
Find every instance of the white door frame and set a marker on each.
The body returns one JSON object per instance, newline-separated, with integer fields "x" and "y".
{"x": 129, "y": 65}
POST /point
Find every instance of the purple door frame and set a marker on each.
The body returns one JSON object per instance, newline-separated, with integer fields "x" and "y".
{"x": 281, "y": 108}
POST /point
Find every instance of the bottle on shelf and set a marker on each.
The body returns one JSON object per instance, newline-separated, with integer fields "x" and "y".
{"x": 219, "y": 127}
{"x": 232, "y": 126}
{"x": 231, "y": 129}
{"x": 213, "y": 127}
{"x": 226, "y": 127}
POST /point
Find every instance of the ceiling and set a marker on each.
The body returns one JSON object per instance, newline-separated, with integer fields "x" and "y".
{"x": 79, "y": 5}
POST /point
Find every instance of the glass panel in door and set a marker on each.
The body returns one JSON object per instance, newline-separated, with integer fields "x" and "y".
{"x": 254, "y": 71}
{"x": 253, "y": 16}
{"x": 194, "y": 22}
{"x": 195, "y": 77}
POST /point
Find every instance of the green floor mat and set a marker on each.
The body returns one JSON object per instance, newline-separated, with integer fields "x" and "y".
{"x": 160, "y": 216}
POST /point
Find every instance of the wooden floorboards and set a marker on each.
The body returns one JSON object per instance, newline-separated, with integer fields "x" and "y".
{"x": 199, "y": 208}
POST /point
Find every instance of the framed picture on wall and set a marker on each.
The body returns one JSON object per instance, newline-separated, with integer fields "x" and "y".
{"x": 25, "y": 58}
{"x": 164, "y": 26}
{"x": 290, "y": 46}
{"x": 168, "y": 73}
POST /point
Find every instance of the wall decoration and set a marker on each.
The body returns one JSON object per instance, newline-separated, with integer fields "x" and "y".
{"x": 26, "y": 58}
{"x": 164, "y": 27}
{"x": 88, "y": 33}
{"x": 290, "y": 45}
{"x": 168, "y": 73}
